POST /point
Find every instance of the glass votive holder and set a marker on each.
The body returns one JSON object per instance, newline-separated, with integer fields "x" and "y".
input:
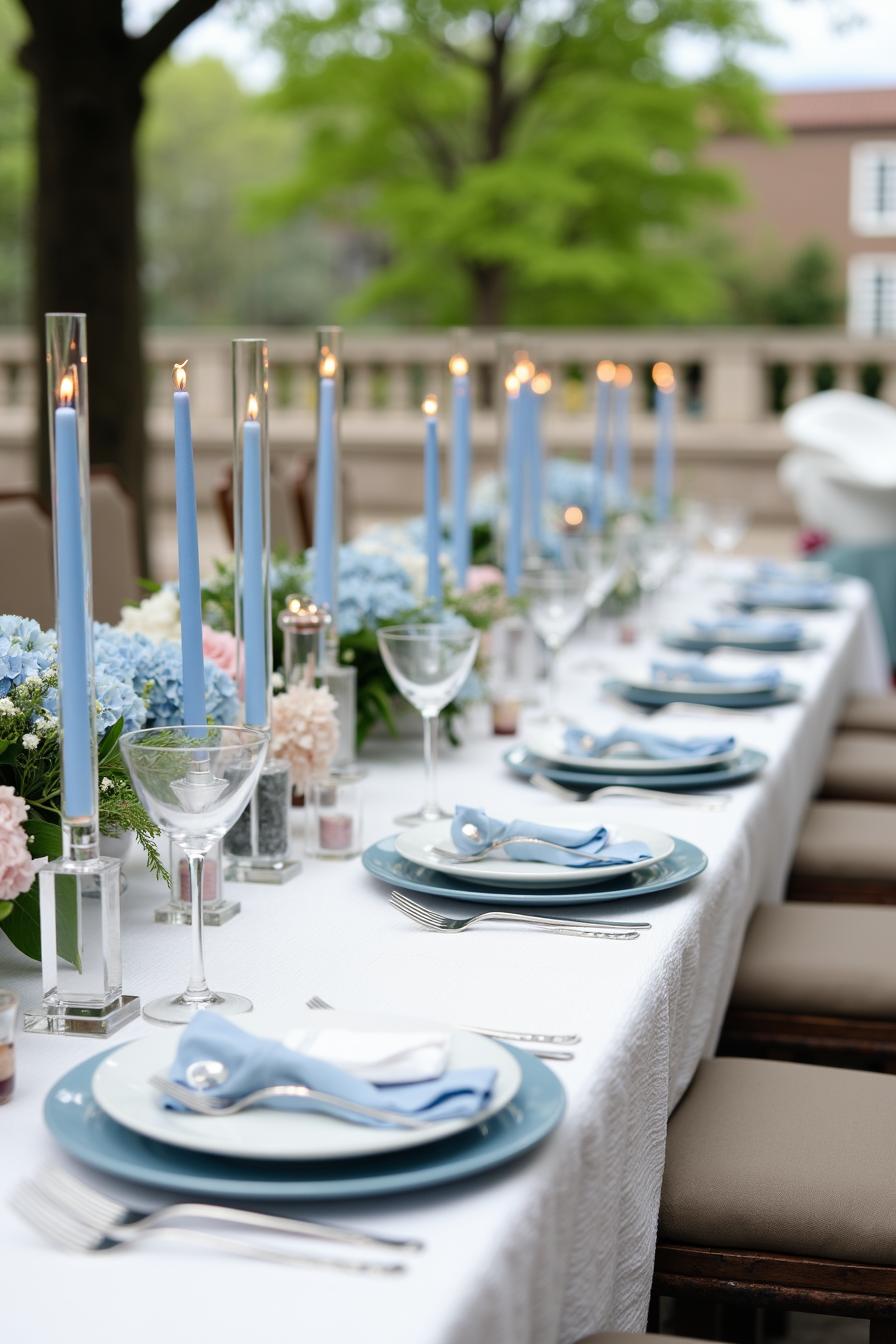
{"x": 215, "y": 909}
{"x": 505, "y": 715}
{"x": 262, "y": 832}
{"x": 333, "y": 816}
{"x": 9, "y": 1007}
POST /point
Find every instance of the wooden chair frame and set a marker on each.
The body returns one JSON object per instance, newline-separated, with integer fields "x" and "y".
{"x": 842, "y": 890}
{"x": 810, "y": 1038}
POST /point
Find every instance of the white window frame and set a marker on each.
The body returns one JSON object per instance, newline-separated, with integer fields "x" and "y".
{"x": 869, "y": 222}
{"x": 861, "y": 267}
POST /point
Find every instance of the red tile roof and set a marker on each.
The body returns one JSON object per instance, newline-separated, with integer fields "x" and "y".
{"x": 837, "y": 109}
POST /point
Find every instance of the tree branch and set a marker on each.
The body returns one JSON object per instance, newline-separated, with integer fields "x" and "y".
{"x": 166, "y": 30}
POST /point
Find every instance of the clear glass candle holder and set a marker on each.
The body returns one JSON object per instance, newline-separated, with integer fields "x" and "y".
{"x": 215, "y": 908}
{"x": 333, "y": 816}
{"x": 258, "y": 845}
{"x": 9, "y": 1007}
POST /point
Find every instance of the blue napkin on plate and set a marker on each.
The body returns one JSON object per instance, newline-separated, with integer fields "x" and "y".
{"x": 594, "y": 849}
{"x": 765, "y": 678}
{"x": 579, "y": 742}
{"x": 789, "y": 594}
{"x": 751, "y": 627}
{"x": 799, "y": 571}
{"x": 255, "y": 1062}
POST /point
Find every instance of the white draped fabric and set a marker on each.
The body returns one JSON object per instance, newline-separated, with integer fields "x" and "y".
{"x": 557, "y": 1244}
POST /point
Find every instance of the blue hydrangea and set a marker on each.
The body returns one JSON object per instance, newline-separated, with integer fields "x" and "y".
{"x": 25, "y": 651}
{"x": 161, "y": 673}
{"x": 374, "y": 588}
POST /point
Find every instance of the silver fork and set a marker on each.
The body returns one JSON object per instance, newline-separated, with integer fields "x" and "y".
{"x": 59, "y": 1225}
{"x": 107, "y": 1215}
{"x": 520, "y": 1037}
{"x": 437, "y": 923}
{"x": 452, "y": 856}
{"x": 710, "y": 802}
{"x": 205, "y": 1105}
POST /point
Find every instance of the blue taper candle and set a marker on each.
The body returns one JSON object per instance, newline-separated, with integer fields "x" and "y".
{"x": 604, "y": 375}
{"x": 460, "y": 466}
{"x": 664, "y": 461}
{"x": 539, "y": 387}
{"x": 431, "y": 499}
{"x": 323, "y": 583}
{"x": 189, "y": 587}
{"x": 622, "y": 467}
{"x": 254, "y": 628}
{"x": 515, "y": 451}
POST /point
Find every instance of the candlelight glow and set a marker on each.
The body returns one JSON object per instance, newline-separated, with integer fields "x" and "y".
{"x": 541, "y": 384}
{"x": 430, "y": 404}
{"x": 328, "y": 363}
{"x": 252, "y": 407}
{"x": 606, "y": 371}
{"x": 67, "y": 389}
{"x": 180, "y": 375}
{"x": 573, "y": 516}
{"x": 512, "y": 384}
{"x": 623, "y": 376}
{"x": 663, "y": 376}
{"x": 524, "y": 370}
{"x": 458, "y": 365}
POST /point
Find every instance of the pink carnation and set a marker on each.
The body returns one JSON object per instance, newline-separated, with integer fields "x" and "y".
{"x": 304, "y": 731}
{"x": 17, "y": 868}
{"x": 483, "y": 576}
{"x": 220, "y": 648}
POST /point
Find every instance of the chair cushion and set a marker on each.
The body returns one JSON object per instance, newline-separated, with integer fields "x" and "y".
{"x": 636, "y": 1337}
{"x": 848, "y": 839}
{"x": 770, "y": 1156}
{"x": 861, "y": 765}
{"x": 870, "y": 713}
{"x": 809, "y": 958}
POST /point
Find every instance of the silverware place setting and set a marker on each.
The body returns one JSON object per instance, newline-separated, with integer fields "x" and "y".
{"x": 709, "y": 802}
{"x": 435, "y": 922}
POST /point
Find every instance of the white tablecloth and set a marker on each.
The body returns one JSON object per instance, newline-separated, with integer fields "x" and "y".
{"x": 561, "y": 1242}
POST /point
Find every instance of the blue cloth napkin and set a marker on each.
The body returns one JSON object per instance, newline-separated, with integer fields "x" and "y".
{"x": 765, "y": 678}
{"x": 751, "y": 627}
{"x": 593, "y": 847}
{"x": 579, "y": 742}
{"x": 806, "y": 571}
{"x": 255, "y": 1062}
{"x": 780, "y": 594}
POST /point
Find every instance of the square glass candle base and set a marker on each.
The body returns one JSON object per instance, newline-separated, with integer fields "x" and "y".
{"x": 215, "y": 908}
{"x": 80, "y": 932}
{"x": 258, "y": 845}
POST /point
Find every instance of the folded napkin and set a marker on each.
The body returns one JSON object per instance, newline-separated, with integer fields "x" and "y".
{"x": 579, "y": 742}
{"x": 750, "y": 627}
{"x": 254, "y": 1062}
{"x": 764, "y": 678}
{"x": 376, "y": 1056}
{"x": 798, "y": 571}
{"x": 594, "y": 849}
{"x": 786, "y": 594}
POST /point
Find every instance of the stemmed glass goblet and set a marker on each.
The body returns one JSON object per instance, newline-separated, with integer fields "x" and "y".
{"x": 429, "y": 664}
{"x": 556, "y": 607}
{"x": 194, "y": 782}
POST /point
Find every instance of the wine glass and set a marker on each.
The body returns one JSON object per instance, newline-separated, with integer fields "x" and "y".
{"x": 597, "y": 557}
{"x": 556, "y": 601}
{"x": 726, "y": 525}
{"x": 195, "y": 782}
{"x": 429, "y": 664}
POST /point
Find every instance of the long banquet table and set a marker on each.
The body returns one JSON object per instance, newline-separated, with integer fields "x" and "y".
{"x": 558, "y": 1243}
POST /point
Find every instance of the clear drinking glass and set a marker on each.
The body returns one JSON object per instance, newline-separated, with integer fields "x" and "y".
{"x": 194, "y": 782}
{"x": 597, "y": 558}
{"x": 726, "y": 525}
{"x": 556, "y": 605}
{"x": 429, "y": 664}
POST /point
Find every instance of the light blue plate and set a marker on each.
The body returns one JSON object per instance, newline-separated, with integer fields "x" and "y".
{"x": 706, "y": 644}
{"x": 384, "y": 861}
{"x": 84, "y": 1131}
{"x": 782, "y": 694}
{"x": 524, "y": 764}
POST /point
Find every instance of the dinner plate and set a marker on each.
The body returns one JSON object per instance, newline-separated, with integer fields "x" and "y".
{"x": 525, "y": 765}
{"x": 416, "y": 845}
{"x": 384, "y": 862}
{"x": 785, "y": 602}
{"x": 683, "y": 686}
{"x": 121, "y": 1088}
{"x": 782, "y": 694}
{"x": 80, "y": 1127}
{"x": 546, "y": 741}
{"x": 694, "y": 643}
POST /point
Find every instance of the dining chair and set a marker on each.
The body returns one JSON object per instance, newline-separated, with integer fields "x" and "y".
{"x": 779, "y": 1191}
{"x": 289, "y": 528}
{"x": 870, "y": 714}
{"x": 26, "y": 558}
{"x": 636, "y": 1337}
{"x": 846, "y": 851}
{"x": 815, "y": 983}
{"x": 861, "y": 765}
{"x": 116, "y": 560}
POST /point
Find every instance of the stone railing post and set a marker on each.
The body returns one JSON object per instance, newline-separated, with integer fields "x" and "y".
{"x": 733, "y": 383}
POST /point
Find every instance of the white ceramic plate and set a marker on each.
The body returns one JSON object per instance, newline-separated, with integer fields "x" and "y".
{"x": 546, "y": 741}
{"x": 745, "y": 687}
{"x": 497, "y": 870}
{"x": 121, "y": 1088}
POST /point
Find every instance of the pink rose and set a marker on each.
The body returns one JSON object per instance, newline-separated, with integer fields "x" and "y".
{"x": 220, "y": 648}
{"x": 483, "y": 576}
{"x": 17, "y": 868}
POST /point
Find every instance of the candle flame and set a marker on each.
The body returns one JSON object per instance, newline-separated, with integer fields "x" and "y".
{"x": 512, "y": 384}
{"x": 663, "y": 376}
{"x": 541, "y": 384}
{"x": 606, "y": 371}
{"x": 573, "y": 516}
{"x": 430, "y": 404}
{"x": 623, "y": 376}
{"x": 524, "y": 370}
{"x": 252, "y": 406}
{"x": 328, "y": 363}
{"x": 180, "y": 375}
{"x": 458, "y": 365}
{"x": 67, "y": 389}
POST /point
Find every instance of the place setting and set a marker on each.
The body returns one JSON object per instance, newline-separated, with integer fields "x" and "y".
{"x": 751, "y": 633}
{"x": 726, "y": 682}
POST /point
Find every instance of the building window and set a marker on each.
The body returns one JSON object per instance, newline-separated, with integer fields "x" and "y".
{"x": 873, "y": 188}
{"x": 872, "y": 295}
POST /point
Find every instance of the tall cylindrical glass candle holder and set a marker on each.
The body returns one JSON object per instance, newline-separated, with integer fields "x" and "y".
{"x": 80, "y": 892}
{"x": 330, "y": 384}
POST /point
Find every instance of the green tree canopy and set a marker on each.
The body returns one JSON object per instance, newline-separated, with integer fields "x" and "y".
{"x": 15, "y": 167}
{"x": 515, "y": 161}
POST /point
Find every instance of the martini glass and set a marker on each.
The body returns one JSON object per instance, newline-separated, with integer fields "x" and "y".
{"x": 195, "y": 782}
{"x": 429, "y": 664}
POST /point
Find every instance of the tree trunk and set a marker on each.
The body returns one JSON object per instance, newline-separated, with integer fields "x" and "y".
{"x": 89, "y": 105}
{"x": 489, "y": 282}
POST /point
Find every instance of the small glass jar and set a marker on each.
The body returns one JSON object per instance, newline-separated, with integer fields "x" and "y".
{"x": 215, "y": 909}
{"x": 505, "y": 715}
{"x": 9, "y": 1007}
{"x": 333, "y": 816}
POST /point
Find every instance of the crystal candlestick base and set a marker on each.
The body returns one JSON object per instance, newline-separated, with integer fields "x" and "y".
{"x": 342, "y": 683}
{"x": 215, "y": 908}
{"x": 258, "y": 845}
{"x": 79, "y": 912}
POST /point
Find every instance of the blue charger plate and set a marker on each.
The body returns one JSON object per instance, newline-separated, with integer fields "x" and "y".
{"x": 706, "y": 644}
{"x": 782, "y": 694}
{"x": 524, "y": 764}
{"x": 84, "y": 1131}
{"x": 383, "y": 861}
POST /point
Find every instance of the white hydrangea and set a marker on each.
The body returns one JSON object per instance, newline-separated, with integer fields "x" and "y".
{"x": 30, "y": 741}
{"x": 106, "y": 784}
{"x": 7, "y": 706}
{"x": 157, "y": 617}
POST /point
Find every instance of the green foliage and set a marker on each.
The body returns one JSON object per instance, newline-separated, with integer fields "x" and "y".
{"x": 518, "y": 162}
{"x": 15, "y": 166}
{"x": 801, "y": 289}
